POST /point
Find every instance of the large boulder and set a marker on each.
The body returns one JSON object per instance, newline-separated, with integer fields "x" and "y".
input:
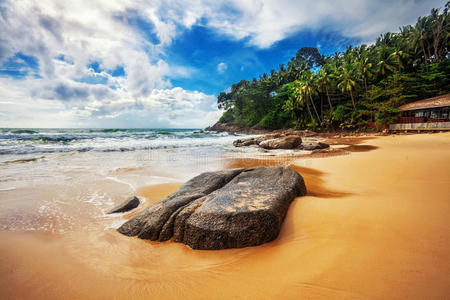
{"x": 217, "y": 210}
{"x": 286, "y": 142}
{"x": 255, "y": 140}
{"x": 125, "y": 206}
{"x": 286, "y": 139}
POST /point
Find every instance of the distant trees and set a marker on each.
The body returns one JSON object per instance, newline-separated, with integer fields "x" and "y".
{"x": 361, "y": 85}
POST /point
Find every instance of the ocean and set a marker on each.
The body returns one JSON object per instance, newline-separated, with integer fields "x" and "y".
{"x": 37, "y": 140}
{"x": 54, "y": 180}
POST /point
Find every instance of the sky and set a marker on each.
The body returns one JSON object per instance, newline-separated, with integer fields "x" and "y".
{"x": 162, "y": 63}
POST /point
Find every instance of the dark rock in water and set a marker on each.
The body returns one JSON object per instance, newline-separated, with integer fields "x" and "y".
{"x": 314, "y": 146}
{"x": 244, "y": 142}
{"x": 217, "y": 210}
{"x": 286, "y": 142}
{"x": 128, "y": 205}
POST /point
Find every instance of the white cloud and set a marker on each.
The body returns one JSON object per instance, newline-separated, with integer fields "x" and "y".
{"x": 84, "y": 32}
{"x": 173, "y": 107}
{"x": 222, "y": 67}
{"x": 265, "y": 22}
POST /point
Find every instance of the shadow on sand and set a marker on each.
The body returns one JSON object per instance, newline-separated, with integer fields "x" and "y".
{"x": 315, "y": 184}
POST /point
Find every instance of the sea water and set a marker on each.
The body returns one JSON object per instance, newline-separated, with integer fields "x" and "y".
{"x": 50, "y": 179}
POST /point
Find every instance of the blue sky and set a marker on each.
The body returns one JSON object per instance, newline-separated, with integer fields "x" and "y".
{"x": 161, "y": 63}
{"x": 204, "y": 50}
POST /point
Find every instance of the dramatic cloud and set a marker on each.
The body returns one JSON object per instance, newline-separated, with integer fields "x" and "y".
{"x": 265, "y": 22}
{"x": 105, "y": 63}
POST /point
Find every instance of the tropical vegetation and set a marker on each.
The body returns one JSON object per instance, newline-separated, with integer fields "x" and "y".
{"x": 360, "y": 88}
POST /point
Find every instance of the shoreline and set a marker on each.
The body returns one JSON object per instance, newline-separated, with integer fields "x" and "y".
{"x": 233, "y": 130}
{"x": 373, "y": 225}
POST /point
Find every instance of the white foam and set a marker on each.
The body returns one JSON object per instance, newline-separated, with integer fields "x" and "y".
{"x": 8, "y": 189}
{"x": 121, "y": 181}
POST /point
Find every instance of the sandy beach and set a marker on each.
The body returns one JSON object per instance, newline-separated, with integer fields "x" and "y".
{"x": 374, "y": 225}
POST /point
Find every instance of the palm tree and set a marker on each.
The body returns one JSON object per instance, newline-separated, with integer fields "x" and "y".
{"x": 324, "y": 80}
{"x": 399, "y": 57}
{"x": 301, "y": 99}
{"x": 384, "y": 61}
{"x": 365, "y": 67}
{"x": 308, "y": 89}
{"x": 347, "y": 83}
{"x": 418, "y": 37}
{"x": 439, "y": 26}
{"x": 289, "y": 105}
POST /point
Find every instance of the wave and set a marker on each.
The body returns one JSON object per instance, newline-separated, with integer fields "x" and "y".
{"x": 24, "y": 160}
{"x": 164, "y": 132}
{"x": 138, "y": 130}
{"x": 107, "y": 140}
{"x": 42, "y": 138}
{"x": 21, "y": 131}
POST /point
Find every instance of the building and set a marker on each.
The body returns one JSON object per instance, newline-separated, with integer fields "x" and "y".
{"x": 428, "y": 114}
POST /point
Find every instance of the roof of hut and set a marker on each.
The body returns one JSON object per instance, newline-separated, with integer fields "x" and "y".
{"x": 439, "y": 101}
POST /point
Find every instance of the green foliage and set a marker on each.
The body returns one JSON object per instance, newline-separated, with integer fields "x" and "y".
{"x": 276, "y": 119}
{"x": 227, "y": 117}
{"x": 386, "y": 115}
{"x": 351, "y": 89}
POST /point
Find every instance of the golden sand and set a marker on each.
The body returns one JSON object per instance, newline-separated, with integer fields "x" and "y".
{"x": 374, "y": 224}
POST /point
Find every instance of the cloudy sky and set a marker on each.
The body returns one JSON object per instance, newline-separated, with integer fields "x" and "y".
{"x": 161, "y": 63}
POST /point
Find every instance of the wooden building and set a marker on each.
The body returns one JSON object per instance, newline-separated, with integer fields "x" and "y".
{"x": 427, "y": 114}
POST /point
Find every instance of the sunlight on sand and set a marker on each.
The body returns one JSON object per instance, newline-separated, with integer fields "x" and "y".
{"x": 375, "y": 224}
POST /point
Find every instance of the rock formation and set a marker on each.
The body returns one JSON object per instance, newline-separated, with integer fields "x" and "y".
{"x": 226, "y": 209}
{"x": 288, "y": 139}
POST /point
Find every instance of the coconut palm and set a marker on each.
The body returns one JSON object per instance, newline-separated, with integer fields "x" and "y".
{"x": 301, "y": 99}
{"x": 324, "y": 81}
{"x": 308, "y": 89}
{"x": 346, "y": 81}
{"x": 365, "y": 67}
{"x": 418, "y": 37}
{"x": 399, "y": 56}
{"x": 439, "y": 26}
{"x": 384, "y": 61}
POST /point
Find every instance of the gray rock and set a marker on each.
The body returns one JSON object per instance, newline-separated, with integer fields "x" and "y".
{"x": 244, "y": 142}
{"x": 149, "y": 223}
{"x": 128, "y": 205}
{"x": 314, "y": 146}
{"x": 286, "y": 142}
{"x": 227, "y": 209}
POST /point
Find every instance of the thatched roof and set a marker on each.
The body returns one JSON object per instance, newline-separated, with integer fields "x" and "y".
{"x": 439, "y": 101}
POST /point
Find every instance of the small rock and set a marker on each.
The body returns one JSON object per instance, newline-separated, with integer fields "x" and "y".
{"x": 314, "y": 146}
{"x": 128, "y": 205}
{"x": 244, "y": 142}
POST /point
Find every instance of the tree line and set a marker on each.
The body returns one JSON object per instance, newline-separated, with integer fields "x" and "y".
{"x": 359, "y": 88}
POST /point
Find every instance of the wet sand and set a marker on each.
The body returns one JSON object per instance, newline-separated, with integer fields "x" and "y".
{"x": 375, "y": 224}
